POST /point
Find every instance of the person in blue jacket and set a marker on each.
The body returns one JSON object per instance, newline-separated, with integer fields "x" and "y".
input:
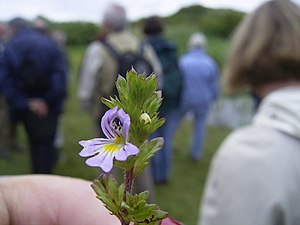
{"x": 200, "y": 89}
{"x": 34, "y": 85}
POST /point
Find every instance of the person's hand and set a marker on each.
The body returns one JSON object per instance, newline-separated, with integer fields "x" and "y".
{"x": 50, "y": 200}
{"x": 38, "y": 106}
{"x": 53, "y": 200}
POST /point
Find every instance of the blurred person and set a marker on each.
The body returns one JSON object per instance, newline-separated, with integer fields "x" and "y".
{"x": 5, "y": 125}
{"x": 4, "y": 35}
{"x": 34, "y": 84}
{"x": 61, "y": 38}
{"x": 99, "y": 71}
{"x": 4, "y": 129}
{"x": 200, "y": 89}
{"x": 255, "y": 175}
{"x": 8, "y": 131}
{"x": 166, "y": 51}
{"x": 42, "y": 26}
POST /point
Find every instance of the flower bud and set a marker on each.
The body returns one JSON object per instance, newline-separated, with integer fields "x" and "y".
{"x": 146, "y": 118}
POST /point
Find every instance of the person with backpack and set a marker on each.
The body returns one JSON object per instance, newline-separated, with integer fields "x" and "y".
{"x": 103, "y": 61}
{"x": 171, "y": 91}
{"x": 34, "y": 85}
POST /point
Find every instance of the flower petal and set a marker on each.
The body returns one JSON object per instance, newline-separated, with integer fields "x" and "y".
{"x": 104, "y": 161}
{"x": 95, "y": 161}
{"x": 107, "y": 164}
{"x": 105, "y": 122}
{"x": 90, "y": 147}
{"x": 125, "y": 119}
{"x": 121, "y": 155}
{"x": 115, "y": 125}
{"x": 131, "y": 149}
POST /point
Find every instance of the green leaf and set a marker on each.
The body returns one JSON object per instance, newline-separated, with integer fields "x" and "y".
{"x": 147, "y": 151}
{"x": 126, "y": 165}
{"x": 139, "y": 211}
{"x": 121, "y": 192}
{"x": 107, "y": 190}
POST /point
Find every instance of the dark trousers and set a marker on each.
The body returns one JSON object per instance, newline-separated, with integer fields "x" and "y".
{"x": 41, "y": 135}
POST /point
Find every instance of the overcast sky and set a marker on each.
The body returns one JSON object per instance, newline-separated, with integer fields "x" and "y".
{"x": 91, "y": 10}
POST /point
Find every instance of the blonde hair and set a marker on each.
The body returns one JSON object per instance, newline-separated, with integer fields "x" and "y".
{"x": 265, "y": 47}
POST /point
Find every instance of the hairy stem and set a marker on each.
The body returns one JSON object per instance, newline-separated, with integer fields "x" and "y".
{"x": 128, "y": 183}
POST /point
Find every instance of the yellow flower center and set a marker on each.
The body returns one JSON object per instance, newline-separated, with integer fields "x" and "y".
{"x": 114, "y": 147}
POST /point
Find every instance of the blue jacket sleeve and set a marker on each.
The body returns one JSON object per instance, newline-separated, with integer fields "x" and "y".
{"x": 15, "y": 98}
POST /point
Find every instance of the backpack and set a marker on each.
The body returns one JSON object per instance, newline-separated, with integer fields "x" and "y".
{"x": 128, "y": 60}
{"x": 172, "y": 76}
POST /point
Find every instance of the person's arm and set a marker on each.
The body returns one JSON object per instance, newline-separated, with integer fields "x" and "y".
{"x": 15, "y": 98}
{"x": 90, "y": 67}
{"x": 50, "y": 200}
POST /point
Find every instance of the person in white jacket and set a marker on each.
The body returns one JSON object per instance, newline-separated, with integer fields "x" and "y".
{"x": 254, "y": 178}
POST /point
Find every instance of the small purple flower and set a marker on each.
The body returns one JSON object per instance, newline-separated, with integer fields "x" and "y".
{"x": 115, "y": 125}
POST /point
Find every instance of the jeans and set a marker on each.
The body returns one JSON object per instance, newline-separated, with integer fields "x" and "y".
{"x": 162, "y": 160}
{"x": 199, "y": 114}
{"x": 161, "y": 163}
{"x": 41, "y": 134}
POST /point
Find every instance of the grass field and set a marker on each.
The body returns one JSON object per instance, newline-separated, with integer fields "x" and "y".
{"x": 180, "y": 197}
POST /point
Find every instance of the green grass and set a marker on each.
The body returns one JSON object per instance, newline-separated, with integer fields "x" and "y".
{"x": 180, "y": 197}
